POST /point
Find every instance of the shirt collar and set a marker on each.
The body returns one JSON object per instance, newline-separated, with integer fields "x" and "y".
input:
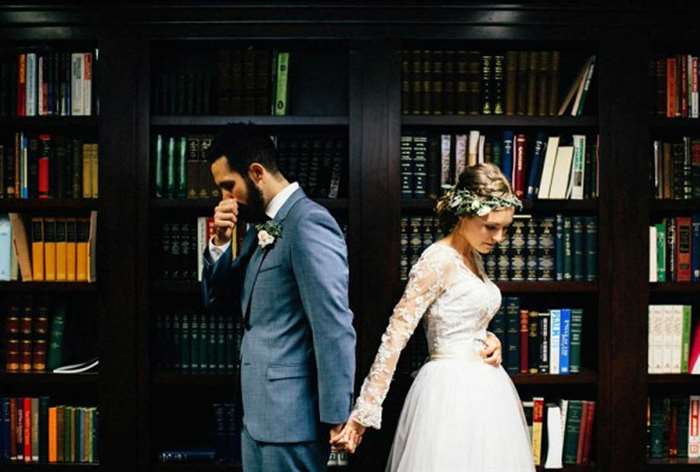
{"x": 280, "y": 199}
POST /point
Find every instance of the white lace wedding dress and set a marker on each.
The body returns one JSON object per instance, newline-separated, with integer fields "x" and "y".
{"x": 460, "y": 414}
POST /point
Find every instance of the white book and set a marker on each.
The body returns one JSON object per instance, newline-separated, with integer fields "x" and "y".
{"x": 669, "y": 339}
{"x": 550, "y": 158}
{"x": 653, "y": 267}
{"x": 31, "y": 84}
{"x": 677, "y": 347}
{"x": 655, "y": 340}
{"x": 694, "y": 427}
{"x": 76, "y": 96}
{"x": 694, "y": 87}
{"x": 555, "y": 438}
{"x": 473, "y": 155}
{"x": 460, "y": 155}
{"x": 578, "y": 167}
{"x": 6, "y": 248}
{"x": 445, "y": 151}
{"x": 554, "y": 340}
{"x": 87, "y": 83}
{"x": 202, "y": 244}
{"x": 586, "y": 80}
{"x": 562, "y": 169}
{"x": 482, "y": 145}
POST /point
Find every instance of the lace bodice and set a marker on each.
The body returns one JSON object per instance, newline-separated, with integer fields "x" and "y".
{"x": 457, "y": 305}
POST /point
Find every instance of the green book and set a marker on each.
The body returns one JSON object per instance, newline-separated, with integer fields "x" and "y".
{"x": 182, "y": 167}
{"x": 591, "y": 248}
{"x": 572, "y": 430}
{"x": 660, "y": 409}
{"x": 220, "y": 344}
{"x": 170, "y": 172}
{"x": 568, "y": 249}
{"x": 158, "y": 167}
{"x": 578, "y": 248}
{"x": 55, "y": 354}
{"x": 177, "y": 336}
{"x": 212, "y": 345}
{"x": 35, "y": 429}
{"x": 685, "y": 346}
{"x": 281, "y": 87}
{"x": 204, "y": 343}
{"x": 194, "y": 346}
{"x": 575, "y": 340}
{"x": 185, "y": 339}
{"x": 661, "y": 251}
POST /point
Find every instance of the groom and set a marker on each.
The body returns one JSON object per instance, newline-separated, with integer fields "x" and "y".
{"x": 290, "y": 285}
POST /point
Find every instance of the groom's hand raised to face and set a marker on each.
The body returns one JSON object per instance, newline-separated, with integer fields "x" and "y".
{"x": 225, "y": 220}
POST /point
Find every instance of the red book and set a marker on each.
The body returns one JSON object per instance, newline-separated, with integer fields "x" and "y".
{"x": 27, "y": 411}
{"x": 683, "y": 59}
{"x": 524, "y": 335}
{"x": 582, "y": 432}
{"x": 44, "y": 166}
{"x": 13, "y": 429}
{"x": 22, "y": 85}
{"x": 673, "y": 431}
{"x": 683, "y": 268}
{"x": 519, "y": 165}
{"x": 671, "y": 87}
{"x": 589, "y": 433}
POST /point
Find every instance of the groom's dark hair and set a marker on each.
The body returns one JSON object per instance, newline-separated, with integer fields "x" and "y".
{"x": 242, "y": 144}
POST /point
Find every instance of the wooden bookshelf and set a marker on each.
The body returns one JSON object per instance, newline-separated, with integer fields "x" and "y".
{"x": 538, "y": 206}
{"x": 59, "y": 287}
{"x": 49, "y": 379}
{"x": 675, "y": 206}
{"x": 684, "y": 288}
{"x": 52, "y": 467}
{"x": 45, "y": 123}
{"x": 501, "y": 121}
{"x": 208, "y": 204}
{"x": 262, "y": 120}
{"x": 666, "y": 124}
{"x": 17, "y": 205}
{"x": 197, "y": 467}
{"x": 587, "y": 377}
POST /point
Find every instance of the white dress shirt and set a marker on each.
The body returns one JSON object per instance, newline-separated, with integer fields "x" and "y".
{"x": 271, "y": 210}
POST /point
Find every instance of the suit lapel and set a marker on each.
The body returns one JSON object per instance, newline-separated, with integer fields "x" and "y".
{"x": 259, "y": 254}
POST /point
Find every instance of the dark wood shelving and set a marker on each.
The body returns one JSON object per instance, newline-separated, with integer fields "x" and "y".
{"x": 48, "y": 379}
{"x": 262, "y": 120}
{"x": 675, "y": 206}
{"x": 50, "y": 467}
{"x": 500, "y": 120}
{"x": 197, "y": 467}
{"x": 62, "y": 287}
{"x": 675, "y": 287}
{"x": 208, "y": 204}
{"x": 173, "y": 286}
{"x": 586, "y": 377}
{"x": 538, "y": 206}
{"x": 176, "y": 378}
{"x": 48, "y": 122}
{"x": 548, "y": 287}
{"x": 674, "y": 379}
{"x": 17, "y": 205}
{"x": 674, "y": 465}
{"x": 660, "y": 122}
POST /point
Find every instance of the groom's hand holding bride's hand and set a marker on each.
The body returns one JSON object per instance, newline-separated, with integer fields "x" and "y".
{"x": 349, "y": 437}
{"x": 491, "y": 353}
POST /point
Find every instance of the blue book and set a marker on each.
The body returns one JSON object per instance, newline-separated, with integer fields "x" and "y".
{"x": 5, "y": 247}
{"x": 512, "y": 357}
{"x": 564, "y": 357}
{"x": 79, "y": 435}
{"x": 24, "y": 163}
{"x": 533, "y": 181}
{"x": 4, "y": 430}
{"x": 507, "y": 159}
{"x": 695, "y": 248}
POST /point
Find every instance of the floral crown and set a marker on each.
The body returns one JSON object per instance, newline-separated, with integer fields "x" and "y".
{"x": 463, "y": 202}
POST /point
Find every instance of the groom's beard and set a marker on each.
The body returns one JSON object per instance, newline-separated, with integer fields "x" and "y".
{"x": 254, "y": 210}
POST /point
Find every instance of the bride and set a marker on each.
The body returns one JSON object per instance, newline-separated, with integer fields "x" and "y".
{"x": 461, "y": 413}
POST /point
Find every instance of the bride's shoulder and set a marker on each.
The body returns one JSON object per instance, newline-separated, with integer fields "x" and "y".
{"x": 438, "y": 256}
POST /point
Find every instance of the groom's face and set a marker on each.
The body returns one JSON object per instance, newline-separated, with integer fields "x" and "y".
{"x": 233, "y": 185}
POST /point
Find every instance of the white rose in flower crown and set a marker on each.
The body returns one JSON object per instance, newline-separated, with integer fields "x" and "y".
{"x": 484, "y": 210}
{"x": 265, "y": 238}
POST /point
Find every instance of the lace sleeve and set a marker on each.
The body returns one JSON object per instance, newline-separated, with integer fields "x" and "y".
{"x": 426, "y": 282}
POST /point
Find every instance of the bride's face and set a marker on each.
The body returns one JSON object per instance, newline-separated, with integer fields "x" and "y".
{"x": 484, "y": 232}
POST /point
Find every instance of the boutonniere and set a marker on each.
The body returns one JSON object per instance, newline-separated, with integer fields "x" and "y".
{"x": 268, "y": 233}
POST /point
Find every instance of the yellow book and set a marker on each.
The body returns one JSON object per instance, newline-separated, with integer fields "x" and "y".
{"x": 38, "y": 249}
{"x": 61, "y": 250}
{"x": 52, "y": 435}
{"x": 72, "y": 249}
{"x": 537, "y": 429}
{"x": 83, "y": 249}
{"x": 87, "y": 172}
{"x": 94, "y": 170}
{"x": 50, "y": 249}
{"x": 92, "y": 248}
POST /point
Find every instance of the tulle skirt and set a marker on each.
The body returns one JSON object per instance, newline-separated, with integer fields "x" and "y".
{"x": 461, "y": 415}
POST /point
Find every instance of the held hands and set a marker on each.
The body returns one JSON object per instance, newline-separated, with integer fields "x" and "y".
{"x": 225, "y": 220}
{"x": 491, "y": 353}
{"x": 348, "y": 436}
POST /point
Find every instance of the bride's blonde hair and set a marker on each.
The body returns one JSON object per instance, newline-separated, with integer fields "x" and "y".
{"x": 485, "y": 181}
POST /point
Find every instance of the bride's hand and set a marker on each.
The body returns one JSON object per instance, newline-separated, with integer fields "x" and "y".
{"x": 350, "y": 437}
{"x": 491, "y": 353}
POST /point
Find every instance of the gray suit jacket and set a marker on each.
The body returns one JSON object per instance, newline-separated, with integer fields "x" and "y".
{"x": 298, "y": 350}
